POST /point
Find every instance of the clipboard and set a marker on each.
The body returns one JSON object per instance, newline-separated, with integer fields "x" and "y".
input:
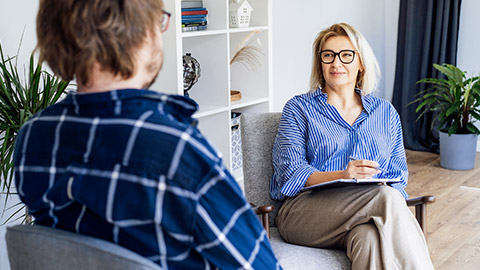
{"x": 352, "y": 182}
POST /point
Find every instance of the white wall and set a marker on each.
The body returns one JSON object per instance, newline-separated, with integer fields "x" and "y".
{"x": 295, "y": 27}
{"x": 14, "y": 17}
{"x": 468, "y": 58}
{"x": 468, "y": 54}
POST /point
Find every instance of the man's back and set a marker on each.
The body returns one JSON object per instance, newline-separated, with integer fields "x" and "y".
{"x": 130, "y": 166}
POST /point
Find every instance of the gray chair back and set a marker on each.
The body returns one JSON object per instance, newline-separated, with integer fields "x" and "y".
{"x": 40, "y": 247}
{"x": 258, "y": 131}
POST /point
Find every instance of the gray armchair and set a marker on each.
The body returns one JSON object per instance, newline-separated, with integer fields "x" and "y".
{"x": 39, "y": 247}
{"x": 258, "y": 132}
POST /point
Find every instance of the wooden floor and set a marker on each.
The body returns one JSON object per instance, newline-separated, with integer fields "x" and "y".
{"x": 453, "y": 230}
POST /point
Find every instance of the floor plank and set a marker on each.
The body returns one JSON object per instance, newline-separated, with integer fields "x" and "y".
{"x": 453, "y": 231}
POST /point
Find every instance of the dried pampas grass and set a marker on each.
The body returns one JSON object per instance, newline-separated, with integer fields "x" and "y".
{"x": 247, "y": 54}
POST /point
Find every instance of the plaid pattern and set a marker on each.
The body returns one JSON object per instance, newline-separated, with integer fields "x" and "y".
{"x": 130, "y": 166}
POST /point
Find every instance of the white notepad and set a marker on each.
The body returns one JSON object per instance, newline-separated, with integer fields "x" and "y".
{"x": 352, "y": 182}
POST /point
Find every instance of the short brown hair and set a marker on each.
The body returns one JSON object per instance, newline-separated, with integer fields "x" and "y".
{"x": 367, "y": 80}
{"x": 73, "y": 34}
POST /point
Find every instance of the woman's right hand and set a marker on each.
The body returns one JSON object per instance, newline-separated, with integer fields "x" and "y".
{"x": 361, "y": 169}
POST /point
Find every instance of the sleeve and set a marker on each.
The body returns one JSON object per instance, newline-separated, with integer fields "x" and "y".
{"x": 227, "y": 232}
{"x": 397, "y": 166}
{"x": 291, "y": 168}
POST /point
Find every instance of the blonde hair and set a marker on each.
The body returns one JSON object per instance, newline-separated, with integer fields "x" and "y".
{"x": 367, "y": 79}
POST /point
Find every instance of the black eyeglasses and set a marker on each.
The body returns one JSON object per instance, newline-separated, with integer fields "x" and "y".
{"x": 345, "y": 56}
{"x": 165, "y": 21}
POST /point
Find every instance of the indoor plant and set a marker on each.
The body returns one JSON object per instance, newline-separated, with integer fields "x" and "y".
{"x": 455, "y": 102}
{"x": 20, "y": 99}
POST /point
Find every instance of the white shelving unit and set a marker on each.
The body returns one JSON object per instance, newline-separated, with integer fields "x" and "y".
{"x": 213, "y": 49}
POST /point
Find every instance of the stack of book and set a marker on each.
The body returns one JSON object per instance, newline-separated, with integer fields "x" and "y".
{"x": 194, "y": 16}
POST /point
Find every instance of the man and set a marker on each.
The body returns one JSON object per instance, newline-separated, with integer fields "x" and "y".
{"x": 125, "y": 164}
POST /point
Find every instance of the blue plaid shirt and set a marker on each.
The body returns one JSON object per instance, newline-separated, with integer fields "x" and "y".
{"x": 313, "y": 136}
{"x": 130, "y": 166}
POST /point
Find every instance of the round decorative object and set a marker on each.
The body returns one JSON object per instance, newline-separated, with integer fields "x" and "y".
{"x": 191, "y": 72}
{"x": 235, "y": 95}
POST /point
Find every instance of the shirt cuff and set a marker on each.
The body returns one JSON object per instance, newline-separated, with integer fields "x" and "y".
{"x": 295, "y": 184}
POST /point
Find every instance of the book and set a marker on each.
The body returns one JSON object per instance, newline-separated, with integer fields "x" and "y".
{"x": 352, "y": 182}
{"x": 194, "y": 28}
{"x": 194, "y": 12}
{"x": 194, "y": 24}
{"x": 193, "y": 9}
{"x": 186, "y": 17}
{"x": 192, "y": 4}
{"x": 196, "y": 20}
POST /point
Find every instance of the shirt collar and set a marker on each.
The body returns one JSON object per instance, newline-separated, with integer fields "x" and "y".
{"x": 183, "y": 106}
{"x": 368, "y": 101}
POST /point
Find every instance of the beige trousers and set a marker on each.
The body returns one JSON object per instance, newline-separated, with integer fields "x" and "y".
{"x": 372, "y": 223}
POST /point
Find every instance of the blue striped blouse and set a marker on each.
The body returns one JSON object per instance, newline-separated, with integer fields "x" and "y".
{"x": 312, "y": 136}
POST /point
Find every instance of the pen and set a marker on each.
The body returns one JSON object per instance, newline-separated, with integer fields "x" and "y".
{"x": 377, "y": 168}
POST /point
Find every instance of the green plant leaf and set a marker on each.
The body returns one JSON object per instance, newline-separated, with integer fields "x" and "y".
{"x": 472, "y": 128}
{"x": 19, "y": 100}
{"x": 454, "y": 74}
{"x": 452, "y": 130}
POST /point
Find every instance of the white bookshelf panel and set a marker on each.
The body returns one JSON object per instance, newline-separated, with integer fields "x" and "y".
{"x": 251, "y": 82}
{"x": 203, "y": 33}
{"x": 248, "y": 101}
{"x": 260, "y": 14}
{"x": 168, "y": 80}
{"x": 211, "y": 53}
{"x": 255, "y": 108}
{"x": 213, "y": 48}
{"x": 217, "y": 128}
{"x": 217, "y": 14}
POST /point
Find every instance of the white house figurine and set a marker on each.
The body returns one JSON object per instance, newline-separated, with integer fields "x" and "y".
{"x": 240, "y": 12}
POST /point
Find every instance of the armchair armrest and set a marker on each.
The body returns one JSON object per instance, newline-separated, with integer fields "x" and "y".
{"x": 263, "y": 211}
{"x": 420, "y": 204}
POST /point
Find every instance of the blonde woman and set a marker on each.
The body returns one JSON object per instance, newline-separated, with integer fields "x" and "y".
{"x": 319, "y": 132}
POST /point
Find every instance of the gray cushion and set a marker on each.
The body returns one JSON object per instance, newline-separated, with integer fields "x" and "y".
{"x": 40, "y": 247}
{"x": 258, "y": 132}
{"x": 299, "y": 257}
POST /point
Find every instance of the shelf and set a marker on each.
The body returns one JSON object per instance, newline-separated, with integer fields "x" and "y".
{"x": 248, "y": 101}
{"x": 203, "y": 33}
{"x": 207, "y": 110}
{"x": 238, "y": 174}
{"x": 213, "y": 48}
{"x": 248, "y": 29}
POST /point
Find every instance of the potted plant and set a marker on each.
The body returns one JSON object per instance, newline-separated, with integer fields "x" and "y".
{"x": 20, "y": 99}
{"x": 455, "y": 102}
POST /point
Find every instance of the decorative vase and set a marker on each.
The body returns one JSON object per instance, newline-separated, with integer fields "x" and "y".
{"x": 235, "y": 95}
{"x": 458, "y": 151}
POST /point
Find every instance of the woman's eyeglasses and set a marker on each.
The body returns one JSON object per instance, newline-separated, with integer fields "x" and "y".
{"x": 345, "y": 56}
{"x": 165, "y": 21}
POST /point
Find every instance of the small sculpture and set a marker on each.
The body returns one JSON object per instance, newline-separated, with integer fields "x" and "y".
{"x": 240, "y": 13}
{"x": 191, "y": 72}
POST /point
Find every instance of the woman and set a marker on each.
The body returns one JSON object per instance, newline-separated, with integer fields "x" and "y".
{"x": 318, "y": 134}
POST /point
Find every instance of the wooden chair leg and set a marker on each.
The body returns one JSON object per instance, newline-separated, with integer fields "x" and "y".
{"x": 265, "y": 223}
{"x": 421, "y": 215}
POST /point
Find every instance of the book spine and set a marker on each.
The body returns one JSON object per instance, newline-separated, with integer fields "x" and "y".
{"x": 193, "y": 16}
{"x": 194, "y": 24}
{"x": 193, "y": 9}
{"x": 194, "y": 20}
{"x": 194, "y": 28}
{"x": 192, "y": 4}
{"x": 198, "y": 12}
